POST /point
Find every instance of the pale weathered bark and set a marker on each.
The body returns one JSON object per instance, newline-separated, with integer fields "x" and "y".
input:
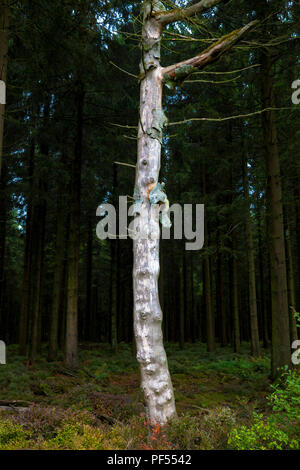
{"x": 155, "y": 376}
{"x": 156, "y": 381}
{"x": 4, "y": 24}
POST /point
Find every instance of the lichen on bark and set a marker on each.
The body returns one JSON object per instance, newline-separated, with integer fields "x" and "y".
{"x": 177, "y": 77}
{"x": 159, "y": 122}
{"x": 158, "y": 196}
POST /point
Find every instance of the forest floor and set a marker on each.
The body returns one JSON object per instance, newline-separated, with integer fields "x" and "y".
{"x": 220, "y": 399}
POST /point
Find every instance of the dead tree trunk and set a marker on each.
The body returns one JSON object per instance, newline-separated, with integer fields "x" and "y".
{"x": 156, "y": 381}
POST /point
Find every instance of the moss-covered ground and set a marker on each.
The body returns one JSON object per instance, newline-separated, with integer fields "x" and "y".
{"x": 46, "y": 406}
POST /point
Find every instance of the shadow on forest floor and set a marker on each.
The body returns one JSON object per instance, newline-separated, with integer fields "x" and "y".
{"x": 46, "y": 406}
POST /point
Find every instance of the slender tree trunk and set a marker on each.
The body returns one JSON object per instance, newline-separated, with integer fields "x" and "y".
{"x": 210, "y": 335}
{"x": 27, "y": 269}
{"x": 181, "y": 304}
{"x": 235, "y": 302}
{"x": 38, "y": 238}
{"x": 3, "y": 216}
{"x": 262, "y": 276}
{"x": 63, "y": 295}
{"x": 210, "y": 324}
{"x": 71, "y": 353}
{"x": 161, "y": 290}
{"x": 114, "y": 252}
{"x": 297, "y": 235}
{"x": 255, "y": 350}
{"x": 58, "y": 277}
{"x": 155, "y": 376}
{"x": 291, "y": 286}
{"x": 188, "y": 297}
{"x": 281, "y": 352}
{"x": 220, "y": 298}
{"x": 88, "y": 323}
{"x": 4, "y": 25}
{"x": 194, "y": 319}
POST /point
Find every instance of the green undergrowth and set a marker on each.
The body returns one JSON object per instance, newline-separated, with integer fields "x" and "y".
{"x": 224, "y": 401}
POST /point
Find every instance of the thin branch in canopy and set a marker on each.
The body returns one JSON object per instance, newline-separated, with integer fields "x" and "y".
{"x": 176, "y": 74}
{"x": 171, "y": 16}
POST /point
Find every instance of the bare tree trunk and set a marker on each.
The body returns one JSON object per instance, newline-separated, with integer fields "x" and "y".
{"x": 281, "y": 352}
{"x": 255, "y": 351}
{"x": 3, "y": 217}
{"x": 235, "y": 302}
{"x": 71, "y": 354}
{"x": 58, "y": 276}
{"x": 88, "y": 322}
{"x": 39, "y": 235}
{"x": 114, "y": 253}
{"x": 194, "y": 319}
{"x": 262, "y": 276}
{"x": 25, "y": 302}
{"x": 181, "y": 303}
{"x": 210, "y": 324}
{"x": 38, "y": 238}
{"x": 210, "y": 334}
{"x": 155, "y": 376}
{"x": 291, "y": 286}
{"x": 220, "y": 295}
{"x": 4, "y": 25}
{"x": 187, "y": 297}
{"x": 156, "y": 381}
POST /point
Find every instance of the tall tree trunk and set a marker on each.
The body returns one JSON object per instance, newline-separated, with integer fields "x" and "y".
{"x": 58, "y": 276}
{"x": 194, "y": 318}
{"x": 39, "y": 215}
{"x": 155, "y": 376}
{"x": 210, "y": 330}
{"x": 188, "y": 297}
{"x": 210, "y": 324}
{"x": 38, "y": 238}
{"x": 88, "y": 323}
{"x": 235, "y": 301}
{"x": 114, "y": 253}
{"x": 291, "y": 286}
{"x": 71, "y": 352}
{"x": 27, "y": 268}
{"x": 3, "y": 216}
{"x": 4, "y": 25}
{"x": 220, "y": 298}
{"x": 181, "y": 303}
{"x": 297, "y": 235}
{"x": 281, "y": 352}
{"x": 255, "y": 350}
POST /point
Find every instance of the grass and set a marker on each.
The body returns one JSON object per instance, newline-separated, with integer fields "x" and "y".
{"x": 101, "y": 406}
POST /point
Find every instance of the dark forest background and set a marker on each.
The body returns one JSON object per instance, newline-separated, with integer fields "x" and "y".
{"x": 72, "y": 108}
